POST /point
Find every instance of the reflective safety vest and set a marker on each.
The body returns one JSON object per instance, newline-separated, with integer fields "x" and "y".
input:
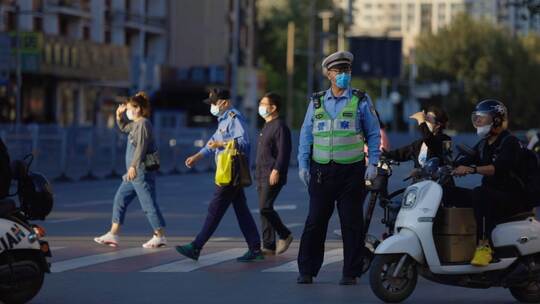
{"x": 337, "y": 139}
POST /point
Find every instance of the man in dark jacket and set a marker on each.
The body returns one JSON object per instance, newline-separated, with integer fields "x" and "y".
{"x": 496, "y": 156}
{"x": 273, "y": 156}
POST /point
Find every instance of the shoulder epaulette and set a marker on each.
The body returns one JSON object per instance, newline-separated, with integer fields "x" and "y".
{"x": 316, "y": 98}
{"x": 359, "y": 94}
{"x": 232, "y": 114}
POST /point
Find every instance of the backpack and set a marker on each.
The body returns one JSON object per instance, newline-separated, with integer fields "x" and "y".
{"x": 527, "y": 173}
{"x": 5, "y": 171}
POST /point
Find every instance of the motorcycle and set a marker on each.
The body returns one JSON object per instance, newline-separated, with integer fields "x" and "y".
{"x": 412, "y": 250}
{"x": 23, "y": 251}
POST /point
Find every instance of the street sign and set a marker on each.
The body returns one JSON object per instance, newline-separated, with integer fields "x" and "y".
{"x": 378, "y": 57}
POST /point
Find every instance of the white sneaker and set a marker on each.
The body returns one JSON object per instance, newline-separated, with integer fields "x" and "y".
{"x": 156, "y": 242}
{"x": 108, "y": 239}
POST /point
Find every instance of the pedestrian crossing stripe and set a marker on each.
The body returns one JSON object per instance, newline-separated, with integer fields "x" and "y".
{"x": 188, "y": 265}
{"x": 330, "y": 257}
{"x": 183, "y": 264}
{"x": 100, "y": 258}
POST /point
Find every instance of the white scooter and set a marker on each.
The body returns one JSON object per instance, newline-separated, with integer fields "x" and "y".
{"x": 412, "y": 249}
{"x": 23, "y": 252}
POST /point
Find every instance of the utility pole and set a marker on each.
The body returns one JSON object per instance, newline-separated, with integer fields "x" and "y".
{"x": 235, "y": 51}
{"x": 311, "y": 47}
{"x": 18, "y": 64}
{"x": 325, "y": 39}
{"x": 290, "y": 71}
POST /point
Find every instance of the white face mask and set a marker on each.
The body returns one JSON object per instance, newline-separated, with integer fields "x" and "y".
{"x": 430, "y": 126}
{"x": 483, "y": 131}
{"x": 214, "y": 110}
{"x": 263, "y": 111}
{"x": 129, "y": 114}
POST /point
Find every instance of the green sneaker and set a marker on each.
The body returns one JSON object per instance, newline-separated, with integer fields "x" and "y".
{"x": 189, "y": 251}
{"x": 251, "y": 256}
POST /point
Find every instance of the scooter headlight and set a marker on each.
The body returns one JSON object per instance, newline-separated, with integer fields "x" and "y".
{"x": 409, "y": 200}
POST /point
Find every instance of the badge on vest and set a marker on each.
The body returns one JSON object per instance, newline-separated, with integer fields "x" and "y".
{"x": 348, "y": 114}
{"x": 321, "y": 125}
{"x": 319, "y": 116}
{"x": 345, "y": 124}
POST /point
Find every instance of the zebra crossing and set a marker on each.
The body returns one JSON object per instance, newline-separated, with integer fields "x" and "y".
{"x": 219, "y": 255}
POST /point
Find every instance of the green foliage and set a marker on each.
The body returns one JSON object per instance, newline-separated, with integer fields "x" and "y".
{"x": 483, "y": 60}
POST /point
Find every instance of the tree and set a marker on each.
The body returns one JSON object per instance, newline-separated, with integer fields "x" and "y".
{"x": 273, "y": 17}
{"x": 483, "y": 60}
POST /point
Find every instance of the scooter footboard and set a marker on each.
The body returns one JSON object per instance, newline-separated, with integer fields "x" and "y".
{"x": 406, "y": 241}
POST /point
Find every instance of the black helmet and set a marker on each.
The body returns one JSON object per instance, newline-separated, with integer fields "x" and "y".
{"x": 36, "y": 196}
{"x": 492, "y": 107}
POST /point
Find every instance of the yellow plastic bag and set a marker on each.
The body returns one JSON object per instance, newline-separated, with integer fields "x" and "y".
{"x": 224, "y": 170}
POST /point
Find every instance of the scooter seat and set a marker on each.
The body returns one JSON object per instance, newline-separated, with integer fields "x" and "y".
{"x": 519, "y": 217}
{"x": 6, "y": 207}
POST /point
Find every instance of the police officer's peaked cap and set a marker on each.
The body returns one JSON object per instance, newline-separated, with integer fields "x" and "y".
{"x": 338, "y": 58}
{"x": 217, "y": 94}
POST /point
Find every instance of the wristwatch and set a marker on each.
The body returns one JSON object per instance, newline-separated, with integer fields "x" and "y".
{"x": 475, "y": 169}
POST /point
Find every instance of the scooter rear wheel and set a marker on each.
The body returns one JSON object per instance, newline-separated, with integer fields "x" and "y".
{"x": 385, "y": 286}
{"x": 28, "y": 279}
{"x": 527, "y": 294}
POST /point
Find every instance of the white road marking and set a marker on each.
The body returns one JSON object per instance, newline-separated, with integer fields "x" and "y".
{"x": 278, "y": 208}
{"x": 330, "y": 257}
{"x": 100, "y": 258}
{"x": 294, "y": 225}
{"x": 188, "y": 265}
{"x": 89, "y": 203}
{"x": 66, "y": 220}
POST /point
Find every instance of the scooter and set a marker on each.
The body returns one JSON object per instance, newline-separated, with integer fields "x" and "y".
{"x": 23, "y": 252}
{"x": 412, "y": 250}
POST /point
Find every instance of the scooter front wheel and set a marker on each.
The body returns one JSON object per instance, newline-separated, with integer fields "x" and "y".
{"x": 390, "y": 284}
{"x": 529, "y": 293}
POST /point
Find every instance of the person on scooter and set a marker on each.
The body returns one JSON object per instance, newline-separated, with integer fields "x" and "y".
{"x": 432, "y": 143}
{"x": 496, "y": 154}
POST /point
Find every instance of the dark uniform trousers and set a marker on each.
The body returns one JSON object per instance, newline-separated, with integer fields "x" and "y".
{"x": 223, "y": 197}
{"x": 329, "y": 184}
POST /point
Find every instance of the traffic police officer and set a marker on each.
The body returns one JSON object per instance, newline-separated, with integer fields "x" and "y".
{"x": 331, "y": 158}
{"x": 230, "y": 127}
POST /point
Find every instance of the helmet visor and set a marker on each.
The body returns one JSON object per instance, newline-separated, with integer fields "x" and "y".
{"x": 480, "y": 119}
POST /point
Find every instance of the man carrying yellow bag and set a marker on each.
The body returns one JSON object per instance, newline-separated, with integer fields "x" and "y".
{"x": 230, "y": 138}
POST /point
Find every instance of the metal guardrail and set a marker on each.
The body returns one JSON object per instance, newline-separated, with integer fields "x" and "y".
{"x": 87, "y": 153}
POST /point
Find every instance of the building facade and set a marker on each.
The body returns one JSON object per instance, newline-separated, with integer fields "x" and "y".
{"x": 78, "y": 56}
{"x": 409, "y": 18}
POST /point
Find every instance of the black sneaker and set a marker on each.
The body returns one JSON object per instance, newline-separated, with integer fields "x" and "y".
{"x": 304, "y": 279}
{"x": 189, "y": 251}
{"x": 251, "y": 256}
{"x": 347, "y": 281}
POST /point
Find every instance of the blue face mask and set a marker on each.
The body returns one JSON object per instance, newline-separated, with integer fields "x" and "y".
{"x": 343, "y": 80}
{"x": 263, "y": 111}
{"x": 214, "y": 110}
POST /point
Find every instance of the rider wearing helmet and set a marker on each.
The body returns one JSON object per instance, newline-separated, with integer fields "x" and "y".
{"x": 496, "y": 154}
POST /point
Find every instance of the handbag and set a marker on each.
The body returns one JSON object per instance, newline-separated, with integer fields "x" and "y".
{"x": 224, "y": 166}
{"x": 241, "y": 171}
{"x": 151, "y": 161}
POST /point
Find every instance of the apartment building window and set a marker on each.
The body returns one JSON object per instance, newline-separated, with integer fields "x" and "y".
{"x": 86, "y": 33}
{"x": 11, "y": 21}
{"x": 37, "y": 5}
{"x": 63, "y": 26}
{"x": 38, "y": 24}
{"x": 108, "y": 36}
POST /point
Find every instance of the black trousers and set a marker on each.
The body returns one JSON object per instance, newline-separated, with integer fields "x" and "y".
{"x": 223, "y": 198}
{"x": 329, "y": 184}
{"x": 270, "y": 221}
{"x": 491, "y": 206}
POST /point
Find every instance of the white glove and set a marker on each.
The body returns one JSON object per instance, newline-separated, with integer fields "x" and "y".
{"x": 371, "y": 172}
{"x": 304, "y": 176}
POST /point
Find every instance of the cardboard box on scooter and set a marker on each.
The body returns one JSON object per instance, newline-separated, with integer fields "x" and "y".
{"x": 455, "y": 234}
